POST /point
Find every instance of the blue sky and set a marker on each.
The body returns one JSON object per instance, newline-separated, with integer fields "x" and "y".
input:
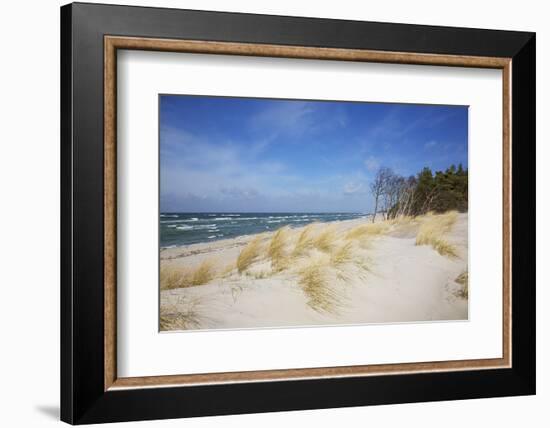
{"x": 264, "y": 155}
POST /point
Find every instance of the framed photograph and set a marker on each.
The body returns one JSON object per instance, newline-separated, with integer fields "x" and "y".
{"x": 266, "y": 213}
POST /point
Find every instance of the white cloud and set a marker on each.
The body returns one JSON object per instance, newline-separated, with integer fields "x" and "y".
{"x": 285, "y": 118}
{"x": 430, "y": 144}
{"x": 372, "y": 163}
{"x": 239, "y": 193}
{"x": 353, "y": 187}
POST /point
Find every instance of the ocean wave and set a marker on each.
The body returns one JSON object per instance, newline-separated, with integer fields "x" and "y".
{"x": 187, "y": 220}
{"x": 208, "y": 227}
{"x": 184, "y": 227}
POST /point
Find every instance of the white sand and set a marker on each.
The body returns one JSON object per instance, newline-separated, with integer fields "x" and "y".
{"x": 404, "y": 283}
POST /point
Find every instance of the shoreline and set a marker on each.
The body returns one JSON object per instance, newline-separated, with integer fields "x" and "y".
{"x": 230, "y": 226}
{"x": 214, "y": 245}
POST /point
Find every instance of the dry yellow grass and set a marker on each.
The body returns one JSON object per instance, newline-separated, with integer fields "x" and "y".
{"x": 249, "y": 254}
{"x": 204, "y": 273}
{"x": 277, "y": 249}
{"x": 401, "y": 220}
{"x": 228, "y": 270}
{"x": 314, "y": 280}
{"x": 305, "y": 240}
{"x": 181, "y": 316}
{"x": 365, "y": 230}
{"x": 432, "y": 232}
{"x": 326, "y": 239}
{"x": 441, "y": 245}
{"x": 171, "y": 278}
{"x": 462, "y": 279}
{"x": 344, "y": 254}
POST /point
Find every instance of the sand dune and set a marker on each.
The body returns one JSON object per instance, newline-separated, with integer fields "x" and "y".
{"x": 347, "y": 272}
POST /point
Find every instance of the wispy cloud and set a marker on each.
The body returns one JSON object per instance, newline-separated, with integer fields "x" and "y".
{"x": 354, "y": 187}
{"x": 430, "y": 144}
{"x": 372, "y": 163}
{"x": 284, "y": 118}
{"x": 239, "y": 193}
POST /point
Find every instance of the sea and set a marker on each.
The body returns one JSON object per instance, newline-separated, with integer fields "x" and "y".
{"x": 177, "y": 229}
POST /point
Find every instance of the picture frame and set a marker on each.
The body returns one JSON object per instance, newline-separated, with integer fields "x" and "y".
{"x": 91, "y": 391}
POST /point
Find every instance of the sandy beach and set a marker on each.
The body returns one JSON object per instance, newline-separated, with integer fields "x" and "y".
{"x": 346, "y": 272}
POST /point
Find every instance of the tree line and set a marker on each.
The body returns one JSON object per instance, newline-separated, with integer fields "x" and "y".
{"x": 395, "y": 195}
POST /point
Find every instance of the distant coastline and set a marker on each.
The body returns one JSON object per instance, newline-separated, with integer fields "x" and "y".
{"x": 181, "y": 229}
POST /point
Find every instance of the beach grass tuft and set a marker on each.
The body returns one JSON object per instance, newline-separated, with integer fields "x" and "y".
{"x": 314, "y": 280}
{"x": 364, "y": 231}
{"x": 204, "y": 273}
{"x": 462, "y": 279}
{"x": 172, "y": 278}
{"x": 277, "y": 249}
{"x": 326, "y": 239}
{"x": 249, "y": 254}
{"x": 432, "y": 232}
{"x": 305, "y": 240}
{"x": 401, "y": 220}
{"x": 181, "y": 316}
{"x": 343, "y": 255}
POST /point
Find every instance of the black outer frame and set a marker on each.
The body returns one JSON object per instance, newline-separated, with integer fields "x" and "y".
{"x": 83, "y": 399}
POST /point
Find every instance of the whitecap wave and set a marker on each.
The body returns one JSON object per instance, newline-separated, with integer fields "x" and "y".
{"x": 187, "y": 220}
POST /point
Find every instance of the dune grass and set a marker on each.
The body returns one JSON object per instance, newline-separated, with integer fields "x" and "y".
{"x": 204, "y": 273}
{"x": 249, "y": 254}
{"x": 402, "y": 220}
{"x": 326, "y": 239}
{"x": 366, "y": 230}
{"x": 315, "y": 281}
{"x": 305, "y": 240}
{"x": 343, "y": 255}
{"x": 171, "y": 278}
{"x": 462, "y": 279}
{"x": 181, "y": 316}
{"x": 433, "y": 238}
{"x": 277, "y": 249}
{"x": 432, "y": 232}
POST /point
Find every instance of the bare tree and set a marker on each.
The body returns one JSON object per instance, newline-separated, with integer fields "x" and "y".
{"x": 393, "y": 189}
{"x": 406, "y": 197}
{"x": 378, "y": 187}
